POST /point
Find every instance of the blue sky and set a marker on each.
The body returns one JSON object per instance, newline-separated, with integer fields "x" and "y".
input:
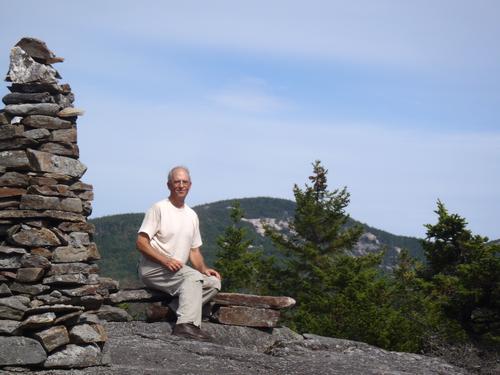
{"x": 400, "y": 100}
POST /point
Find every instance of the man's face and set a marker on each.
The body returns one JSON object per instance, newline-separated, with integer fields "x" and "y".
{"x": 180, "y": 184}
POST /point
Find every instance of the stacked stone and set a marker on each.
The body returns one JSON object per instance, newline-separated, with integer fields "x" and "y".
{"x": 48, "y": 277}
{"x": 226, "y": 308}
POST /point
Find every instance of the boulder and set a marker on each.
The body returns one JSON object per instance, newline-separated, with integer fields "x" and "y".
{"x": 21, "y": 351}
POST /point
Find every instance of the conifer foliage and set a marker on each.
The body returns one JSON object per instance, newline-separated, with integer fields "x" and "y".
{"x": 464, "y": 270}
{"x": 337, "y": 294}
{"x": 243, "y": 267}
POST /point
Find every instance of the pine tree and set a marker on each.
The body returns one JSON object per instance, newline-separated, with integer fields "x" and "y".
{"x": 464, "y": 270}
{"x": 243, "y": 268}
{"x": 337, "y": 294}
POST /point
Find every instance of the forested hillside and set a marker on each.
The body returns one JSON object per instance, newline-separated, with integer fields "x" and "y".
{"x": 116, "y": 234}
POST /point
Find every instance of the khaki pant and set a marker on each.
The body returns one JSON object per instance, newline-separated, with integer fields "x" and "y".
{"x": 192, "y": 287}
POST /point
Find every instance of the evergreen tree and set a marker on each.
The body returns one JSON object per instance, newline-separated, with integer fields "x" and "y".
{"x": 337, "y": 294}
{"x": 465, "y": 273}
{"x": 243, "y": 269}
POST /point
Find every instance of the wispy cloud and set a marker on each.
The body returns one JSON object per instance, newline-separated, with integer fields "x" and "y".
{"x": 249, "y": 95}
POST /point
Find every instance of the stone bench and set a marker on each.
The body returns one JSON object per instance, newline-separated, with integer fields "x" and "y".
{"x": 226, "y": 308}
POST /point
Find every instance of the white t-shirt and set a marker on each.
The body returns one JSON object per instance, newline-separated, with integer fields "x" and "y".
{"x": 173, "y": 231}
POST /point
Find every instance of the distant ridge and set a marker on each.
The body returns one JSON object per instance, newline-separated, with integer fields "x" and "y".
{"x": 116, "y": 234}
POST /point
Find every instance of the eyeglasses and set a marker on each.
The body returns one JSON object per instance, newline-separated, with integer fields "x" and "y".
{"x": 181, "y": 182}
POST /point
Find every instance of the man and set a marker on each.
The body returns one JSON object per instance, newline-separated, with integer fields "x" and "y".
{"x": 170, "y": 236}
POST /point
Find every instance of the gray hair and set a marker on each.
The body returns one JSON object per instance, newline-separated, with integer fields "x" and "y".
{"x": 171, "y": 173}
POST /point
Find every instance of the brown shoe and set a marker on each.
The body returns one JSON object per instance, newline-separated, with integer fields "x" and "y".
{"x": 190, "y": 331}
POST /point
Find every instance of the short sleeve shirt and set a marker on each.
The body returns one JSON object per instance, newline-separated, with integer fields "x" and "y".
{"x": 173, "y": 231}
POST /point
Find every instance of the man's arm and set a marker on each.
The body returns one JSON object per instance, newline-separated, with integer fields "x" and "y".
{"x": 196, "y": 258}
{"x": 144, "y": 246}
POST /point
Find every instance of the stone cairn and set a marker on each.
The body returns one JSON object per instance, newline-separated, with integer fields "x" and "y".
{"x": 49, "y": 283}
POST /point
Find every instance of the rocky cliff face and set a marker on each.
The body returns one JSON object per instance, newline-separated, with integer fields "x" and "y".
{"x": 149, "y": 348}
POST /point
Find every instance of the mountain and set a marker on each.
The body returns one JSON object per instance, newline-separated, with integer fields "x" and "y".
{"x": 115, "y": 235}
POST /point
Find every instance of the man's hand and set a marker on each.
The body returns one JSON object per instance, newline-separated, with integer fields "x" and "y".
{"x": 212, "y": 272}
{"x": 173, "y": 264}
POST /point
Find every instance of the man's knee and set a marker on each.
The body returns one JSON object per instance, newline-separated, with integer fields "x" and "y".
{"x": 212, "y": 282}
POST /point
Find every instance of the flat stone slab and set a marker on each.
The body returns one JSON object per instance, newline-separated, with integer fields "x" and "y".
{"x": 69, "y": 279}
{"x": 33, "y": 290}
{"x": 137, "y": 295}
{"x": 87, "y": 333}
{"x": 268, "y": 302}
{"x": 40, "y": 202}
{"x": 8, "y": 327}
{"x": 46, "y": 162}
{"x": 53, "y": 337}
{"x": 24, "y": 69}
{"x": 32, "y": 214}
{"x": 14, "y": 159}
{"x": 14, "y": 179}
{"x": 113, "y": 314}
{"x": 58, "y": 308}
{"x": 35, "y": 237}
{"x": 37, "y": 321}
{"x": 12, "y": 250}
{"x": 68, "y": 254}
{"x": 247, "y": 316}
{"x": 72, "y": 268}
{"x": 46, "y": 122}
{"x": 10, "y": 261}
{"x": 20, "y": 351}
{"x": 47, "y": 109}
{"x": 12, "y": 308}
{"x": 29, "y": 275}
{"x": 72, "y": 356}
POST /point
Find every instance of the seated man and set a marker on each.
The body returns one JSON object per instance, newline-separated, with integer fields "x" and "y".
{"x": 168, "y": 237}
